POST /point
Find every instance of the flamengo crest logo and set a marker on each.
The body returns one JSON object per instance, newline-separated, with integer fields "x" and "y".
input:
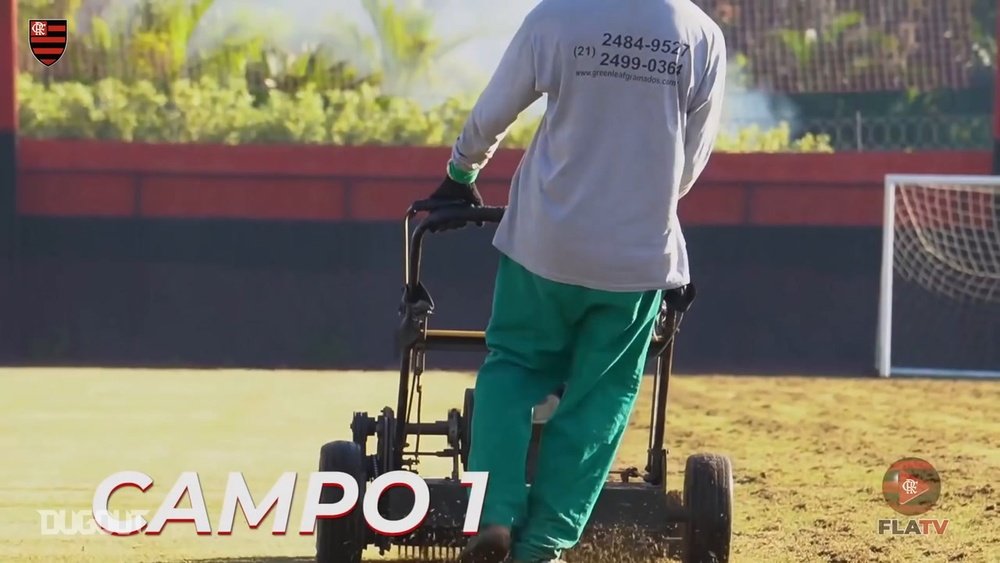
{"x": 279, "y": 501}
{"x": 47, "y": 39}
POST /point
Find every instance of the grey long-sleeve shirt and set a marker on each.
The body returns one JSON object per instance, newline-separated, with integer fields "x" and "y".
{"x": 634, "y": 90}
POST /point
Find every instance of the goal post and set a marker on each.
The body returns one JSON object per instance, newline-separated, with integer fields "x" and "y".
{"x": 939, "y": 302}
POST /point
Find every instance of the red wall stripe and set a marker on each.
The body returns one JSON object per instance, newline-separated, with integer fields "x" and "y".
{"x": 8, "y": 62}
{"x": 252, "y": 160}
{"x": 841, "y": 206}
{"x": 76, "y": 195}
{"x": 236, "y": 198}
{"x": 292, "y": 182}
{"x": 714, "y": 204}
{"x": 376, "y": 200}
{"x": 409, "y": 163}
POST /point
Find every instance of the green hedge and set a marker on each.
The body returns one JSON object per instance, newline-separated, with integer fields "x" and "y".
{"x": 206, "y": 111}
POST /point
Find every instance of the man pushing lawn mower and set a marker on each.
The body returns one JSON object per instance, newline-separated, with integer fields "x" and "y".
{"x": 589, "y": 243}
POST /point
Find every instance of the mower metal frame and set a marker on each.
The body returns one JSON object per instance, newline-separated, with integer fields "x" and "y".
{"x": 633, "y": 500}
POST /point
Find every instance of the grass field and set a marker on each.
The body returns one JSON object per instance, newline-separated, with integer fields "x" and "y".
{"x": 809, "y": 455}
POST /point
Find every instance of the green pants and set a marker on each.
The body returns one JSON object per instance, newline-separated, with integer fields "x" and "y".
{"x": 543, "y": 334}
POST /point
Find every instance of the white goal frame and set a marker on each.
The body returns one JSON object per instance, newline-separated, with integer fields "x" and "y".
{"x": 883, "y": 347}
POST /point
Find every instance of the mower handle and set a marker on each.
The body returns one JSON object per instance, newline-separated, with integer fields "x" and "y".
{"x": 439, "y": 214}
{"x": 440, "y": 217}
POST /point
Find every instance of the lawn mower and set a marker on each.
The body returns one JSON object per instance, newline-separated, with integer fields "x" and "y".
{"x": 635, "y": 511}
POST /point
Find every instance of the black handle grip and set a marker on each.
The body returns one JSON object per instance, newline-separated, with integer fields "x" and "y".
{"x": 440, "y": 215}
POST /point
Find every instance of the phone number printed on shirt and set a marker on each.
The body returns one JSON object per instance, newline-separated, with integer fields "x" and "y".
{"x": 665, "y": 46}
{"x": 637, "y": 63}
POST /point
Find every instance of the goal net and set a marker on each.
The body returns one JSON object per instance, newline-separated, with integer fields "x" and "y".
{"x": 939, "y": 311}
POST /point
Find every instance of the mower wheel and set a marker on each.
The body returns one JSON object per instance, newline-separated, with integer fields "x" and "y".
{"x": 708, "y": 498}
{"x": 466, "y": 437}
{"x": 341, "y": 540}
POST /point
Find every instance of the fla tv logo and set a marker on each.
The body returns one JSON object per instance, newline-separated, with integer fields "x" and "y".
{"x": 911, "y": 487}
{"x": 47, "y": 39}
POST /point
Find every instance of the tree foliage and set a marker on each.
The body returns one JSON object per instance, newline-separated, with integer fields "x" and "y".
{"x": 134, "y": 76}
{"x": 207, "y": 111}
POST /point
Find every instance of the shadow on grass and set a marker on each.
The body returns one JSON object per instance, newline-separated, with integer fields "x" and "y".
{"x": 292, "y": 560}
{"x": 253, "y": 560}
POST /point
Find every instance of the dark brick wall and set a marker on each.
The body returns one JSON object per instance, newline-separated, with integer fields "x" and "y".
{"x": 212, "y": 294}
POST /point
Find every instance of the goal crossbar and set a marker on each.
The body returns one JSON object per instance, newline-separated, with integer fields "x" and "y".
{"x": 942, "y": 181}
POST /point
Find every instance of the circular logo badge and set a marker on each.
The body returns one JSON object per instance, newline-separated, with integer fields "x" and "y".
{"x": 911, "y": 486}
